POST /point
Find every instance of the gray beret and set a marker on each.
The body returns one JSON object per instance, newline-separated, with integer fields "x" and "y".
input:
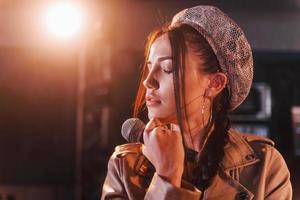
{"x": 228, "y": 43}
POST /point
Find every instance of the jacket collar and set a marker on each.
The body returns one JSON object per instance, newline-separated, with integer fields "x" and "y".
{"x": 238, "y": 152}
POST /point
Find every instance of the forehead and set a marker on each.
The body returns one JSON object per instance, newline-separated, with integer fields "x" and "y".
{"x": 161, "y": 47}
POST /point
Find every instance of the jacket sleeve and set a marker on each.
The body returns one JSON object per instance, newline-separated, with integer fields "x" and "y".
{"x": 118, "y": 184}
{"x": 113, "y": 187}
{"x": 161, "y": 189}
{"x": 278, "y": 184}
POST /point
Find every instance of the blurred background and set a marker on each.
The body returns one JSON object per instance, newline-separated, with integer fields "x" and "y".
{"x": 69, "y": 73}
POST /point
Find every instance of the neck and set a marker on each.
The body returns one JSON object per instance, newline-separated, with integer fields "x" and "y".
{"x": 195, "y": 132}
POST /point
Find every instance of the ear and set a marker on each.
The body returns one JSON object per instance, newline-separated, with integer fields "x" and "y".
{"x": 217, "y": 82}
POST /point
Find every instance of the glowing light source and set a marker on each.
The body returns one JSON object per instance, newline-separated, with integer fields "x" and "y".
{"x": 64, "y": 19}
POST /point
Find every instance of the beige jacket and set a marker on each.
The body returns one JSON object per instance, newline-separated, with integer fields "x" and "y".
{"x": 251, "y": 169}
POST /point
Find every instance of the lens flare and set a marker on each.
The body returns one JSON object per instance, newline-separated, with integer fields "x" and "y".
{"x": 64, "y": 19}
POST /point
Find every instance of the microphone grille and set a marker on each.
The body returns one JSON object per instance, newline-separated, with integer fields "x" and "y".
{"x": 131, "y": 129}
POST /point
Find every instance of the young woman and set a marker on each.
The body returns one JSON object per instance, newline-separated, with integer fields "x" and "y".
{"x": 197, "y": 70}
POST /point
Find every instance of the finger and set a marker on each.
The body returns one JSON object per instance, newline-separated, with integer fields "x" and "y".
{"x": 149, "y": 136}
{"x": 174, "y": 127}
{"x": 153, "y": 123}
{"x": 144, "y": 151}
{"x": 146, "y": 137}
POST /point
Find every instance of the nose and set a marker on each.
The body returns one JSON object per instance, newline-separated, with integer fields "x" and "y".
{"x": 150, "y": 82}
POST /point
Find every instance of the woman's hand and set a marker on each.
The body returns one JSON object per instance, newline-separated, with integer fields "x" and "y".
{"x": 164, "y": 149}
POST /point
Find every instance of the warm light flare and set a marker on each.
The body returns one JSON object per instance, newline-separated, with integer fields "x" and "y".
{"x": 64, "y": 19}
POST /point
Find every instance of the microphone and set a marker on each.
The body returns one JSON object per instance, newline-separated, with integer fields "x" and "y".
{"x": 132, "y": 130}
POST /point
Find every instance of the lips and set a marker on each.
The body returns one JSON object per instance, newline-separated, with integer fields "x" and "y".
{"x": 152, "y": 100}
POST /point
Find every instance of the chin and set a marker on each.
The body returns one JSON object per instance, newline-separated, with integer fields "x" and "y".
{"x": 159, "y": 114}
{"x": 152, "y": 114}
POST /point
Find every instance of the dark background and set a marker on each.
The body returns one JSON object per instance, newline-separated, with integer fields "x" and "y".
{"x": 39, "y": 81}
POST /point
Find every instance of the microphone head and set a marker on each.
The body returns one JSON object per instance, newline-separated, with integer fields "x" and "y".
{"x": 132, "y": 129}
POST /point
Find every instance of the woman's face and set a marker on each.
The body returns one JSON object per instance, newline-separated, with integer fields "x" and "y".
{"x": 160, "y": 98}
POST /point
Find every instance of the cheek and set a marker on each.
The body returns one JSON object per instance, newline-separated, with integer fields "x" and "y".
{"x": 194, "y": 85}
{"x": 168, "y": 103}
{"x": 192, "y": 91}
{"x": 167, "y": 92}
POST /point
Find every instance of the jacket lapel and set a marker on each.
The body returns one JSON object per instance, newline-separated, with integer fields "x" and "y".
{"x": 226, "y": 188}
{"x": 238, "y": 153}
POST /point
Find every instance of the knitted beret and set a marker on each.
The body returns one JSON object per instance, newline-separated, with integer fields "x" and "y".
{"x": 229, "y": 44}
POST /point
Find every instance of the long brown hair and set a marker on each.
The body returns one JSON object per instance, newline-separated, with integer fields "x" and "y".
{"x": 181, "y": 38}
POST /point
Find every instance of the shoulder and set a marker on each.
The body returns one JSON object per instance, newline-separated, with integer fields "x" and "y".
{"x": 124, "y": 157}
{"x": 255, "y": 143}
{"x": 127, "y": 149}
{"x": 258, "y": 147}
{"x": 262, "y": 146}
{"x": 245, "y": 149}
{"x": 258, "y": 144}
{"x": 253, "y": 139}
{"x": 126, "y": 154}
{"x": 250, "y": 139}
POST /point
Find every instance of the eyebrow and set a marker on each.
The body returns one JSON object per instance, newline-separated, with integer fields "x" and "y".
{"x": 161, "y": 59}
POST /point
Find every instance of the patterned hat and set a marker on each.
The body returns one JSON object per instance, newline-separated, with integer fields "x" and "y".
{"x": 228, "y": 43}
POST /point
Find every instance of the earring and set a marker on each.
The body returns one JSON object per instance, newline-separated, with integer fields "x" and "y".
{"x": 206, "y": 128}
{"x": 202, "y": 112}
{"x": 203, "y": 107}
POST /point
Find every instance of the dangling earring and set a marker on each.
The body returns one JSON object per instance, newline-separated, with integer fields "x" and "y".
{"x": 203, "y": 107}
{"x": 207, "y": 125}
{"x": 202, "y": 113}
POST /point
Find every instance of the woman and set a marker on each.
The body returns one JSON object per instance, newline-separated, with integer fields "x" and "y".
{"x": 197, "y": 70}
